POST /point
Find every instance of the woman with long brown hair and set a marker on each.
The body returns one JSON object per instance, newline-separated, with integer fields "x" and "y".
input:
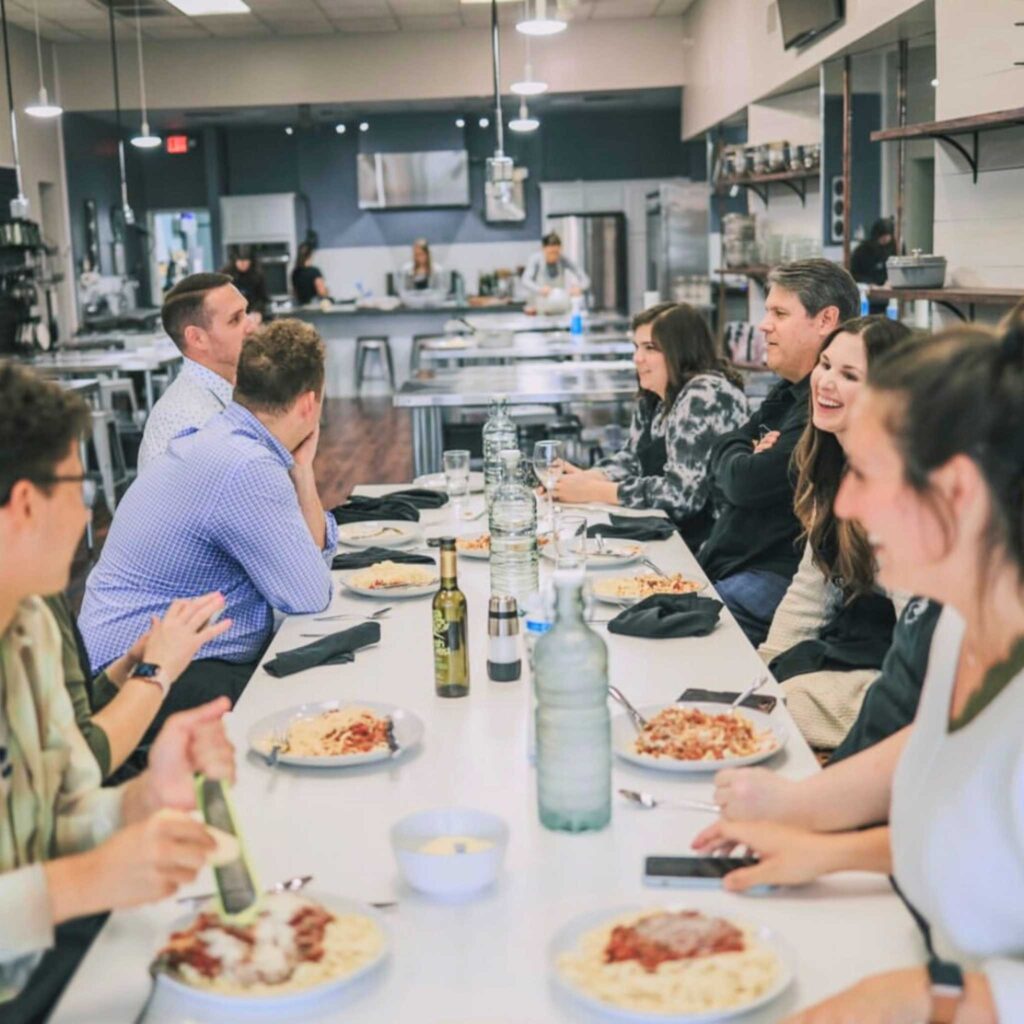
{"x": 689, "y": 396}
{"x": 830, "y": 633}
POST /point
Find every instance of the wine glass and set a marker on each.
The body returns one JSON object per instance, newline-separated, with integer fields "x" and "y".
{"x": 547, "y": 464}
{"x": 456, "y": 477}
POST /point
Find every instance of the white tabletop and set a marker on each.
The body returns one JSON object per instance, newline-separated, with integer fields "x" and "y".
{"x": 527, "y": 345}
{"x": 486, "y": 961}
{"x": 541, "y": 321}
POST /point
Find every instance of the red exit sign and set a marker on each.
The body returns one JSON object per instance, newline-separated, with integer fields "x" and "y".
{"x": 176, "y": 143}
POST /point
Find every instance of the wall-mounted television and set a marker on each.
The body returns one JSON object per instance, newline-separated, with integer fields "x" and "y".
{"x": 390, "y": 181}
{"x": 803, "y": 21}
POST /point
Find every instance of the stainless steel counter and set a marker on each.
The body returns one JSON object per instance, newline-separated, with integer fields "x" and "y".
{"x": 534, "y": 345}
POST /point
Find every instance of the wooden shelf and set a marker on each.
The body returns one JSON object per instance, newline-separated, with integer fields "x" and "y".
{"x": 945, "y": 130}
{"x": 953, "y": 298}
{"x": 795, "y": 181}
{"x": 755, "y": 270}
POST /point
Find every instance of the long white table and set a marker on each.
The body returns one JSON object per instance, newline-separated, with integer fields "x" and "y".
{"x": 530, "y": 346}
{"x": 486, "y": 961}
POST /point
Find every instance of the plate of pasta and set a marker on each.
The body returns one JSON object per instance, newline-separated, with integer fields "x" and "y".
{"x": 694, "y": 737}
{"x": 381, "y": 533}
{"x": 673, "y": 965}
{"x": 337, "y": 733}
{"x": 299, "y": 947}
{"x": 628, "y": 590}
{"x": 389, "y": 579}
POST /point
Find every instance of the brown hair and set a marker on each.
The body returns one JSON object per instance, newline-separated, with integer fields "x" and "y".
{"x": 683, "y": 337}
{"x": 184, "y": 304}
{"x": 551, "y": 238}
{"x": 279, "y": 362}
{"x": 39, "y": 420}
{"x": 818, "y": 283}
{"x": 422, "y": 243}
{"x": 962, "y": 393}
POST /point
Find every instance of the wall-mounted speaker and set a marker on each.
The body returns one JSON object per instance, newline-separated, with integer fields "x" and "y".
{"x": 837, "y": 208}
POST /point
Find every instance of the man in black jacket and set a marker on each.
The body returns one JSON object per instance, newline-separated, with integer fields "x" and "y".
{"x": 753, "y": 548}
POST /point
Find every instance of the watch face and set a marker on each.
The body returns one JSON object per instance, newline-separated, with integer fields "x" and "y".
{"x": 146, "y": 670}
{"x": 945, "y": 974}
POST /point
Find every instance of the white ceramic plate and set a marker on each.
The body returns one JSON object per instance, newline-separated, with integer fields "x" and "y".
{"x": 284, "y": 1000}
{"x": 408, "y": 731}
{"x": 388, "y": 593}
{"x": 624, "y": 734}
{"x": 437, "y": 482}
{"x": 625, "y": 602}
{"x": 568, "y": 938}
{"x": 380, "y": 533}
{"x": 617, "y": 553}
{"x": 483, "y": 554}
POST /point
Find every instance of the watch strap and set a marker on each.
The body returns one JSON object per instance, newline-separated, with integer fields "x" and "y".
{"x": 947, "y": 990}
{"x": 150, "y": 673}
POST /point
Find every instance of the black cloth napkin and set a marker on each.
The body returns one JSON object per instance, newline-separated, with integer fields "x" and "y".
{"x": 421, "y": 497}
{"x": 634, "y": 528}
{"x": 371, "y": 556}
{"x": 336, "y": 649}
{"x": 668, "y": 615}
{"x": 360, "y": 509}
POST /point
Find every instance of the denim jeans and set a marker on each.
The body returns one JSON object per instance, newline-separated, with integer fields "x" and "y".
{"x": 752, "y": 597}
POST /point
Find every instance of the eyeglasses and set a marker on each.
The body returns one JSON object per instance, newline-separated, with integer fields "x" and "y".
{"x": 88, "y": 487}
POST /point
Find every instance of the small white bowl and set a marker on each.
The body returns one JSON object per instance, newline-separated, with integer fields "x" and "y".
{"x": 454, "y": 875}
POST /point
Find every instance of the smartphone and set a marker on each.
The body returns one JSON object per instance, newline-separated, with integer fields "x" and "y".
{"x": 696, "y": 872}
{"x": 756, "y": 701}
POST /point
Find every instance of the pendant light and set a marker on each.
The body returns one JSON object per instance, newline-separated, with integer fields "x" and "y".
{"x": 528, "y": 86}
{"x": 524, "y": 122}
{"x": 19, "y": 204}
{"x": 145, "y": 139}
{"x": 126, "y": 211}
{"x": 43, "y": 108}
{"x": 499, "y": 173}
{"x": 540, "y": 24}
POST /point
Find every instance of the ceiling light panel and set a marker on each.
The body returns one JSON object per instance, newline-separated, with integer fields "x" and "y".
{"x": 204, "y": 8}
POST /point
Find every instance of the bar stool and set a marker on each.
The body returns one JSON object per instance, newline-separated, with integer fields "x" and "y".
{"x": 379, "y": 344}
{"x": 109, "y": 454}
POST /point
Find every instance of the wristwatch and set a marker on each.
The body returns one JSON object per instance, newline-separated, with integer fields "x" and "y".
{"x": 947, "y": 990}
{"x": 151, "y": 673}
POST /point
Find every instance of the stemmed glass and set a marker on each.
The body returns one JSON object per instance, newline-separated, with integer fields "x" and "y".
{"x": 547, "y": 464}
{"x": 456, "y": 477}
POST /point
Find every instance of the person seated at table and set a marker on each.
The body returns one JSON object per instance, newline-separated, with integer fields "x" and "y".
{"x": 753, "y": 550}
{"x": 243, "y": 267}
{"x": 114, "y": 709}
{"x": 205, "y": 316}
{"x": 831, "y": 631}
{"x": 308, "y": 282}
{"x": 421, "y": 273}
{"x": 231, "y": 507}
{"x": 936, "y": 477}
{"x": 688, "y": 398}
{"x": 70, "y": 850}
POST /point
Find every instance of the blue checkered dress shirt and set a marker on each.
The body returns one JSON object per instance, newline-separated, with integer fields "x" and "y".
{"x": 216, "y": 511}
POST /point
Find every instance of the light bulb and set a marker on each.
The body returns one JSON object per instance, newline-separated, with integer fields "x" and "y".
{"x": 364, "y": 126}
{"x": 43, "y": 108}
{"x": 484, "y": 122}
{"x": 529, "y": 87}
{"x": 340, "y": 129}
{"x": 460, "y": 122}
{"x": 289, "y": 130}
{"x": 524, "y": 122}
{"x": 146, "y": 139}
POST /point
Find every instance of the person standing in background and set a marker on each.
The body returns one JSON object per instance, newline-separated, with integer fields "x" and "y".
{"x": 867, "y": 264}
{"x": 549, "y": 271}
{"x": 421, "y": 273}
{"x": 308, "y": 282}
{"x": 243, "y": 267}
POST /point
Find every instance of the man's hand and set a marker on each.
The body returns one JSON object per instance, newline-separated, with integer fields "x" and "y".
{"x": 306, "y": 451}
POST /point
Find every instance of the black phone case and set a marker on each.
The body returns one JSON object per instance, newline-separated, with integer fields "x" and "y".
{"x": 756, "y": 701}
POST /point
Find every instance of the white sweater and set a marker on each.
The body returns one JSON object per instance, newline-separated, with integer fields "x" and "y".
{"x": 958, "y": 825}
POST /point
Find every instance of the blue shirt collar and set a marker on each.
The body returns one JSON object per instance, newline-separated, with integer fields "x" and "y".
{"x": 245, "y": 423}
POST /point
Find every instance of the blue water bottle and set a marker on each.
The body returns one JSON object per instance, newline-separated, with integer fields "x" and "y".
{"x": 865, "y": 302}
{"x": 576, "y": 321}
{"x": 892, "y": 309}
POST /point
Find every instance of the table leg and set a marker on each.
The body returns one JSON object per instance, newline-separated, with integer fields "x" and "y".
{"x": 427, "y": 440}
{"x": 148, "y": 377}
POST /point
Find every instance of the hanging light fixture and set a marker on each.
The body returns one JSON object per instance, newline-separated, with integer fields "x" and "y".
{"x": 524, "y": 122}
{"x": 42, "y": 108}
{"x": 145, "y": 139}
{"x": 499, "y": 168}
{"x": 529, "y": 86}
{"x": 540, "y": 24}
{"x": 126, "y": 210}
{"x": 19, "y": 204}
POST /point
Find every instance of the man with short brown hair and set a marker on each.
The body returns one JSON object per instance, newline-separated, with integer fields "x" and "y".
{"x": 231, "y": 507}
{"x": 206, "y": 317}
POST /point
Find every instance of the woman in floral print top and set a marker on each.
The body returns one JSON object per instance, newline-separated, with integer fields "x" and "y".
{"x": 689, "y": 396}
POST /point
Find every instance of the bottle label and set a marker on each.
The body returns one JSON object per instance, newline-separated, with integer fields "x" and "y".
{"x": 448, "y": 642}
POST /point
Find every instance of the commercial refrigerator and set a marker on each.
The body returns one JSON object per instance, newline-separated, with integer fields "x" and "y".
{"x": 596, "y": 243}
{"x": 677, "y": 236}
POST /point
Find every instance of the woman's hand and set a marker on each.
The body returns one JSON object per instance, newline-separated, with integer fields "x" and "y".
{"x": 896, "y": 997}
{"x": 757, "y": 794}
{"x": 585, "y": 486}
{"x": 788, "y": 856}
{"x": 190, "y": 742}
{"x": 172, "y": 642}
{"x": 766, "y": 442}
{"x": 567, "y": 467}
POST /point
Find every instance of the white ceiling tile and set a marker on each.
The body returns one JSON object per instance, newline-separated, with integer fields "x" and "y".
{"x": 344, "y": 9}
{"x": 424, "y": 7}
{"x": 367, "y": 25}
{"x": 225, "y": 28}
{"x": 435, "y": 23}
{"x": 666, "y": 7}
{"x": 624, "y": 8}
{"x": 479, "y": 16}
{"x": 179, "y": 31}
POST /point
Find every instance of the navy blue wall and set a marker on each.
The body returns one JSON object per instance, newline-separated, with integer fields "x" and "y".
{"x": 865, "y": 159}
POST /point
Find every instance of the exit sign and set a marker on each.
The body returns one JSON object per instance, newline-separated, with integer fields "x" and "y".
{"x": 177, "y": 143}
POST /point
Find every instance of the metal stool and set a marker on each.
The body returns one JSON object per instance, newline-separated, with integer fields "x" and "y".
{"x": 110, "y": 460}
{"x": 381, "y": 345}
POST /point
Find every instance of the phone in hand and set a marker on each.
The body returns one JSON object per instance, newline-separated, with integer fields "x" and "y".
{"x": 696, "y": 872}
{"x": 756, "y": 702}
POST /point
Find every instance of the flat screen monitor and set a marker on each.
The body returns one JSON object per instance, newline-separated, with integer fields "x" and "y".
{"x": 804, "y": 20}
{"x": 403, "y": 180}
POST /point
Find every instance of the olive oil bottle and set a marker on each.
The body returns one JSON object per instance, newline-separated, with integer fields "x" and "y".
{"x": 451, "y": 652}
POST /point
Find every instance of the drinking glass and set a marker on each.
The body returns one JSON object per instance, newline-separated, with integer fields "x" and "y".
{"x": 569, "y": 535}
{"x": 547, "y": 464}
{"x": 456, "y": 476}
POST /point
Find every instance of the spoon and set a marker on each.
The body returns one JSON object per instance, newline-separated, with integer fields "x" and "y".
{"x": 293, "y": 884}
{"x": 753, "y": 688}
{"x": 378, "y": 614}
{"x": 649, "y": 802}
{"x": 635, "y": 717}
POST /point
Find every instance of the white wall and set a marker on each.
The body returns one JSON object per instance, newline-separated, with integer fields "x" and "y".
{"x": 735, "y": 56}
{"x": 595, "y": 55}
{"x": 978, "y": 227}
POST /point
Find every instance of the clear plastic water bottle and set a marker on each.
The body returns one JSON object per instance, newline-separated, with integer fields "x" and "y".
{"x": 499, "y": 435}
{"x": 892, "y": 309}
{"x": 576, "y": 320}
{"x": 513, "y": 525}
{"x": 538, "y": 620}
{"x": 574, "y": 747}
{"x": 865, "y": 301}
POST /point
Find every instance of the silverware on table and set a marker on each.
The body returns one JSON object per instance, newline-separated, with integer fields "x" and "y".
{"x": 635, "y": 717}
{"x": 645, "y": 561}
{"x": 277, "y": 744}
{"x": 378, "y": 614}
{"x": 293, "y": 884}
{"x": 649, "y": 802}
{"x": 144, "y": 1009}
{"x": 751, "y": 689}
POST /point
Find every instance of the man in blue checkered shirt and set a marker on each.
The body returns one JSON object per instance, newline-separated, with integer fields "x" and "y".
{"x": 231, "y": 506}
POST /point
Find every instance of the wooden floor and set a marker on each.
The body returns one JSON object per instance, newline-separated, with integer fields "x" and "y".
{"x": 364, "y": 440}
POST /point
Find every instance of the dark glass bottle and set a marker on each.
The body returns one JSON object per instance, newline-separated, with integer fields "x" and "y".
{"x": 449, "y": 627}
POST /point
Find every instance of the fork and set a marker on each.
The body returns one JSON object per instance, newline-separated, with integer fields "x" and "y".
{"x": 378, "y": 614}
{"x": 650, "y": 565}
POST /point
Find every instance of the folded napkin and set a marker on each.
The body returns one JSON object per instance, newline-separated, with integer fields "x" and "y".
{"x": 371, "y": 556}
{"x": 336, "y": 649}
{"x": 668, "y": 615}
{"x": 360, "y": 509}
{"x": 421, "y": 497}
{"x": 634, "y": 528}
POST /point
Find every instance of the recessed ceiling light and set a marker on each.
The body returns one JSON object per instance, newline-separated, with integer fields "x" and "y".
{"x": 340, "y": 129}
{"x": 204, "y": 8}
{"x": 289, "y": 130}
{"x": 935, "y": 83}
{"x": 460, "y": 122}
{"x": 484, "y": 122}
{"x": 364, "y": 126}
